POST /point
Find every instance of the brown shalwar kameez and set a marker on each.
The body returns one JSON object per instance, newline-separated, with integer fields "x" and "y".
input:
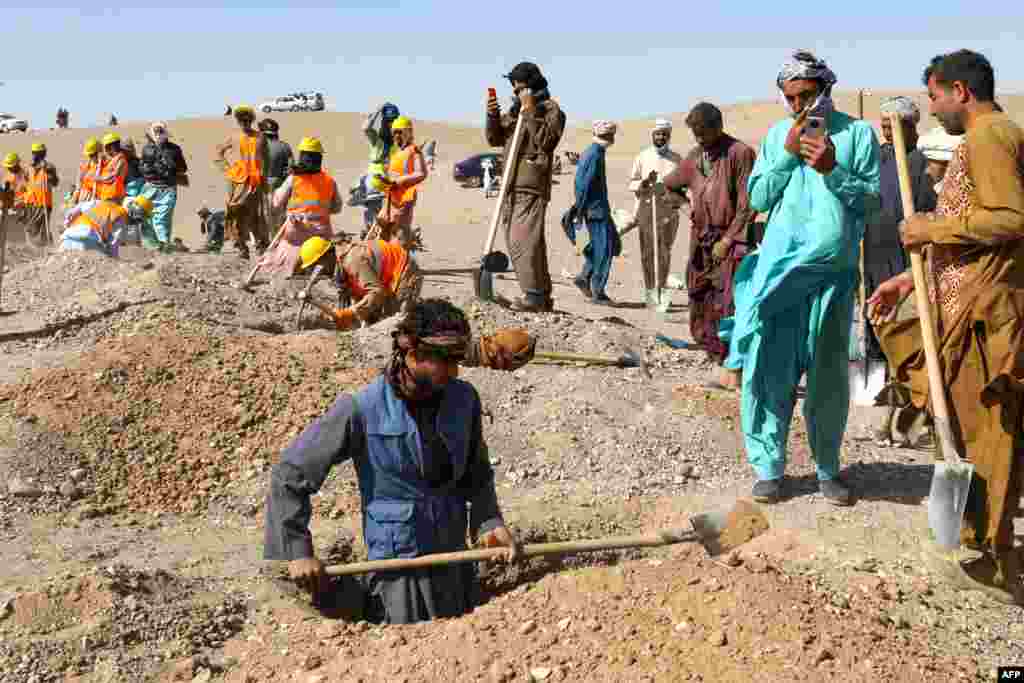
{"x": 717, "y": 181}
{"x": 976, "y": 261}
{"x": 529, "y": 192}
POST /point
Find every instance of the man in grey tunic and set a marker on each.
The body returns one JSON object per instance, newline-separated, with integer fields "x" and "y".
{"x": 415, "y": 437}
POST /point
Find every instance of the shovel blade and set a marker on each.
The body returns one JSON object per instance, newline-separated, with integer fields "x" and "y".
{"x": 483, "y": 285}
{"x": 947, "y": 500}
{"x": 867, "y": 380}
{"x": 721, "y": 531}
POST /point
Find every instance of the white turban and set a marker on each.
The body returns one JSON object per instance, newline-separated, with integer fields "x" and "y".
{"x": 662, "y": 124}
{"x": 158, "y": 132}
{"x": 938, "y": 145}
{"x": 603, "y": 129}
{"x": 902, "y": 106}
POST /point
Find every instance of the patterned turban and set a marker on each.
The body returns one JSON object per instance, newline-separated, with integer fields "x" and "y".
{"x": 603, "y": 129}
{"x": 905, "y": 107}
{"x": 805, "y": 66}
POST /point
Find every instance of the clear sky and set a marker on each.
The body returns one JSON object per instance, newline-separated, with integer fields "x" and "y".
{"x": 436, "y": 59}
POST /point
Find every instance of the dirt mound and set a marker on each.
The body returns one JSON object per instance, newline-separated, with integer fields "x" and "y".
{"x": 678, "y": 618}
{"x": 173, "y": 419}
{"x": 112, "y": 618}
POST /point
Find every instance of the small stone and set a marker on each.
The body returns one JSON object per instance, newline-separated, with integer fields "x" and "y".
{"x": 540, "y": 673}
{"x": 502, "y": 673}
{"x": 69, "y": 490}
{"x": 823, "y": 655}
{"x": 682, "y": 627}
{"x": 732, "y": 559}
{"x": 717, "y": 639}
{"x": 564, "y": 623}
{"x": 23, "y": 489}
{"x": 528, "y": 627}
{"x": 77, "y": 475}
{"x": 317, "y": 678}
{"x": 203, "y": 676}
{"x": 311, "y": 662}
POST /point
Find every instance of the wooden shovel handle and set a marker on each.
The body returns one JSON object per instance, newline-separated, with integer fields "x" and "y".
{"x": 536, "y": 550}
{"x": 936, "y": 388}
{"x": 506, "y": 180}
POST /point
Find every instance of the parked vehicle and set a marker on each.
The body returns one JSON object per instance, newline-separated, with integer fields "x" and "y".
{"x": 10, "y": 123}
{"x": 300, "y": 101}
{"x": 470, "y": 172}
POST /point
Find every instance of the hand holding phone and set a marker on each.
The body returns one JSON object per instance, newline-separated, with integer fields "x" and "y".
{"x": 814, "y": 127}
{"x": 492, "y": 102}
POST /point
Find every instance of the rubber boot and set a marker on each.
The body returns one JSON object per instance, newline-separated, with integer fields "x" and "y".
{"x": 649, "y": 297}
{"x": 666, "y": 300}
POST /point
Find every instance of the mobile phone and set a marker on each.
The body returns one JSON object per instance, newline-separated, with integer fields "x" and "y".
{"x": 815, "y": 127}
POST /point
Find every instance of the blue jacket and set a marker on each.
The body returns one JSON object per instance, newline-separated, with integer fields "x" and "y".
{"x": 404, "y": 514}
{"x": 592, "y": 185}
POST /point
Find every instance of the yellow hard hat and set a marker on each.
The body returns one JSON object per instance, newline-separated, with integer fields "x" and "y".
{"x": 111, "y": 138}
{"x": 11, "y": 160}
{"x": 145, "y": 204}
{"x": 38, "y": 147}
{"x": 311, "y": 145}
{"x": 379, "y": 183}
{"x": 312, "y": 249}
{"x": 244, "y": 109}
{"x": 401, "y": 123}
{"x": 92, "y": 145}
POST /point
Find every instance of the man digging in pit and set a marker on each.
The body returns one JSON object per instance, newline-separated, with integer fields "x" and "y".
{"x": 416, "y": 440}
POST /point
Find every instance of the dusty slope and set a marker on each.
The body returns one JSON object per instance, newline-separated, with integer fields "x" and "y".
{"x": 443, "y": 203}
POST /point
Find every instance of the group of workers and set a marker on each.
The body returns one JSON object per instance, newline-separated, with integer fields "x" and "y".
{"x": 773, "y": 303}
{"x": 114, "y": 191}
{"x": 792, "y": 283}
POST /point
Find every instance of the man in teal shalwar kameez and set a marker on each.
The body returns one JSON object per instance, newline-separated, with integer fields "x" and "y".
{"x": 795, "y": 295}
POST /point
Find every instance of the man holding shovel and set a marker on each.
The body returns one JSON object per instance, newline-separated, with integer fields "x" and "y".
{"x": 529, "y": 190}
{"x": 975, "y": 255}
{"x": 415, "y": 437}
{"x": 662, "y": 160}
{"x": 817, "y": 177}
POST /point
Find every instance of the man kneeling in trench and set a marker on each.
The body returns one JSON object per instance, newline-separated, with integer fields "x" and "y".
{"x": 415, "y": 437}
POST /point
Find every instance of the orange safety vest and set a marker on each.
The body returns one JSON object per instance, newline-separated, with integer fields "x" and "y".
{"x": 402, "y": 163}
{"x": 19, "y": 186}
{"x": 312, "y": 196}
{"x": 38, "y": 191}
{"x": 249, "y": 167}
{"x": 87, "y": 178}
{"x": 102, "y": 217}
{"x": 389, "y": 259}
{"x": 113, "y": 189}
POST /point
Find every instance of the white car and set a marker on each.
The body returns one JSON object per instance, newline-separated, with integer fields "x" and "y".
{"x": 287, "y": 103}
{"x": 296, "y": 102}
{"x": 10, "y": 123}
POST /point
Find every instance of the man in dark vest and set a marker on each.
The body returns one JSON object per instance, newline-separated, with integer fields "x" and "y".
{"x": 415, "y": 437}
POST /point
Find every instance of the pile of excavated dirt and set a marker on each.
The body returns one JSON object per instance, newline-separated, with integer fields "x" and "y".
{"x": 680, "y": 618}
{"x": 171, "y": 420}
{"x": 115, "y": 619}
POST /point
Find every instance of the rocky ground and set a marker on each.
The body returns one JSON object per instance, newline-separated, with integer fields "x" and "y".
{"x": 142, "y": 403}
